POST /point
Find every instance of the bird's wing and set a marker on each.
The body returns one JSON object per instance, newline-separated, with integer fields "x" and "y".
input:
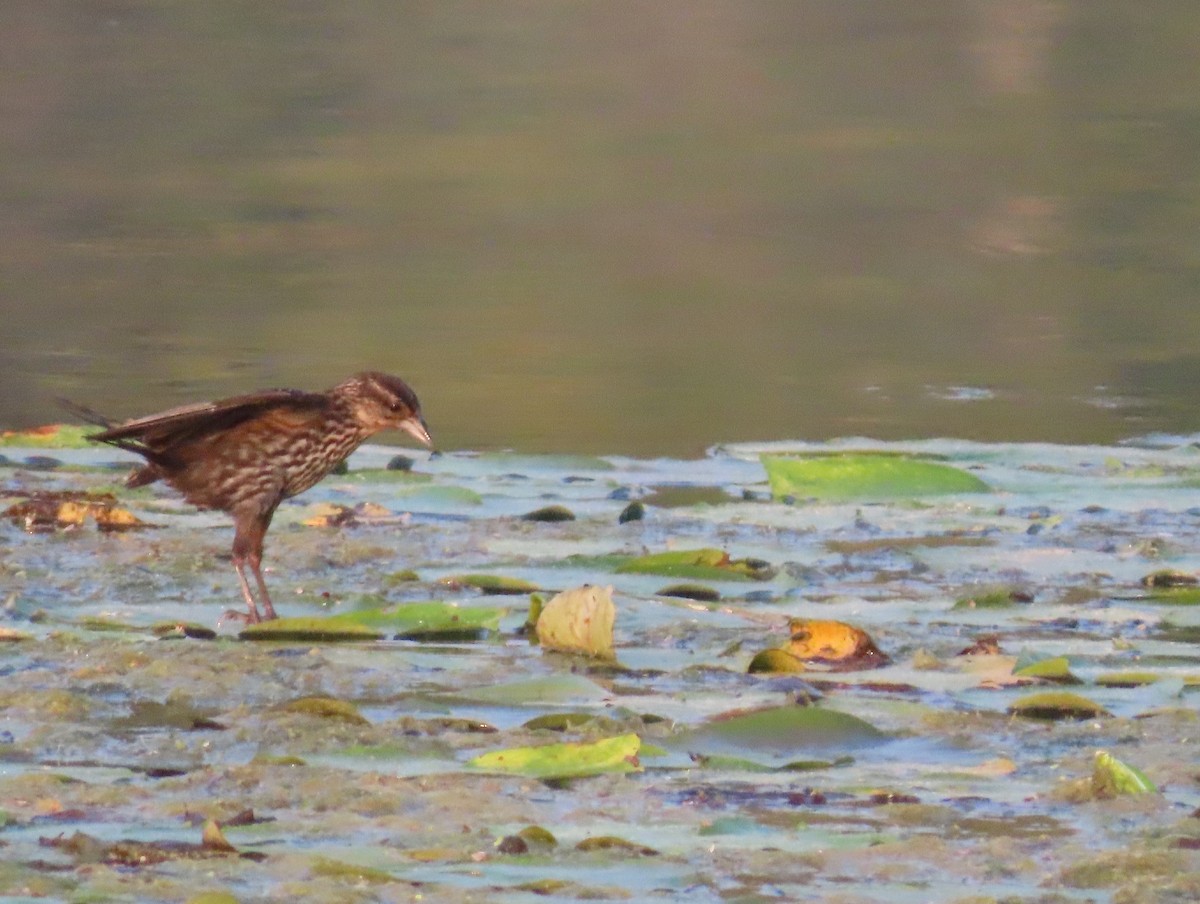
{"x": 157, "y": 433}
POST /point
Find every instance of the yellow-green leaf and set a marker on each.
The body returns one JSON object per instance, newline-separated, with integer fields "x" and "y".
{"x": 571, "y": 760}
{"x": 865, "y": 475}
{"x": 1111, "y": 776}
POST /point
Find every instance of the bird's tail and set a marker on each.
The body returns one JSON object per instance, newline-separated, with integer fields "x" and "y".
{"x": 85, "y": 414}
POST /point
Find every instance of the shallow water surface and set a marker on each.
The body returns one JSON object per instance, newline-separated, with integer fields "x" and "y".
{"x": 113, "y": 733}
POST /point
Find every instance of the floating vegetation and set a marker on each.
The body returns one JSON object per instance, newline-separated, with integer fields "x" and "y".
{"x": 490, "y": 583}
{"x": 1057, "y": 669}
{"x": 832, "y": 643}
{"x": 698, "y": 564}
{"x": 864, "y": 475}
{"x": 1111, "y": 777}
{"x": 63, "y": 510}
{"x": 389, "y": 743}
{"x": 579, "y": 621}
{"x": 1055, "y": 705}
{"x": 569, "y": 760}
{"x": 550, "y": 514}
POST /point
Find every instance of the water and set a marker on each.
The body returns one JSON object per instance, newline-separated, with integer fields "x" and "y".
{"x": 613, "y": 228}
{"x": 107, "y": 731}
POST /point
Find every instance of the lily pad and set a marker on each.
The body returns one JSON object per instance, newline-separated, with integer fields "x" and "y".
{"x": 1056, "y": 705}
{"x": 776, "y": 661}
{"x": 564, "y": 688}
{"x": 778, "y": 733}
{"x": 698, "y": 564}
{"x": 992, "y": 598}
{"x": 1057, "y": 669}
{"x": 865, "y": 475}
{"x": 491, "y": 583}
{"x": 310, "y": 628}
{"x": 1174, "y": 596}
{"x": 699, "y": 592}
{"x": 1170, "y": 578}
{"x": 432, "y": 620}
{"x": 615, "y": 843}
{"x": 579, "y": 621}
{"x": 1127, "y": 679}
{"x": 550, "y": 514}
{"x": 326, "y": 708}
{"x": 570, "y": 760}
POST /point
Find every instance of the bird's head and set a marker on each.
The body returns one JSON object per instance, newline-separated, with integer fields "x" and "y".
{"x": 383, "y": 402}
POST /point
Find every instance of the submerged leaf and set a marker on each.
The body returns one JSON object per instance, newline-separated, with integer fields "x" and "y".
{"x": 326, "y": 708}
{"x": 614, "y": 843}
{"x": 563, "y": 688}
{"x": 579, "y": 621}
{"x": 339, "y": 869}
{"x": 570, "y": 760}
{"x": 865, "y": 475}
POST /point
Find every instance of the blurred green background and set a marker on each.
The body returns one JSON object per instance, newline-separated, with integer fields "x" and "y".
{"x": 621, "y": 227}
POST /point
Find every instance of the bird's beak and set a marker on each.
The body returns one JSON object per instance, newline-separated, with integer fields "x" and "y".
{"x": 415, "y": 427}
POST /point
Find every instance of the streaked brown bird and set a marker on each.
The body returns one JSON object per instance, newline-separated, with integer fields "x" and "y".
{"x": 244, "y": 455}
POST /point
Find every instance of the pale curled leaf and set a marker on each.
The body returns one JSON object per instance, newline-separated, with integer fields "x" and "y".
{"x": 579, "y": 621}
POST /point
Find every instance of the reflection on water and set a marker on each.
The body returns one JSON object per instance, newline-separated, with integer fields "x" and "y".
{"x": 634, "y": 228}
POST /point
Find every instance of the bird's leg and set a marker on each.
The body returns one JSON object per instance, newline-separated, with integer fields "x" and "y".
{"x": 252, "y": 617}
{"x": 256, "y": 567}
{"x": 249, "y": 530}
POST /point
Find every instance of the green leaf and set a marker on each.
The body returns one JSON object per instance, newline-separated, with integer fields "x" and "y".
{"x": 427, "y": 620}
{"x": 698, "y": 564}
{"x": 865, "y": 476}
{"x": 775, "y": 660}
{"x": 309, "y": 628}
{"x": 566, "y": 688}
{"x": 1127, "y": 679}
{"x": 571, "y": 760}
{"x": 1057, "y": 669}
{"x": 1110, "y": 776}
{"x": 411, "y": 621}
{"x": 1174, "y": 596}
{"x": 1056, "y": 705}
{"x": 491, "y": 583}
{"x": 775, "y": 734}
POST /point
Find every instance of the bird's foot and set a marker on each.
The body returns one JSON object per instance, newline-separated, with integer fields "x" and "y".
{"x": 239, "y": 615}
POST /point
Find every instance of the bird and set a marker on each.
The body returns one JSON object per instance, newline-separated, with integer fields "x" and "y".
{"x": 245, "y": 454}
